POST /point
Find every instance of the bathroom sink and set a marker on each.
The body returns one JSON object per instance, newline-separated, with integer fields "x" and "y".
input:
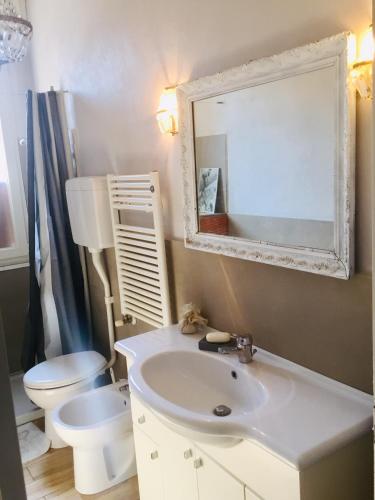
{"x": 296, "y": 413}
{"x": 205, "y": 393}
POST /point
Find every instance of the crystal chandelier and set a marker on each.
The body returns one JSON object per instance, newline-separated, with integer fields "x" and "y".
{"x": 15, "y": 33}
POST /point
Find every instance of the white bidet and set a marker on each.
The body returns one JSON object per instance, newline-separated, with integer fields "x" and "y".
{"x": 98, "y": 425}
{"x": 58, "y": 379}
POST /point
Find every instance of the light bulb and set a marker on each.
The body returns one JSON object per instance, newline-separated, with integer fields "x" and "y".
{"x": 167, "y": 112}
{"x": 366, "y": 46}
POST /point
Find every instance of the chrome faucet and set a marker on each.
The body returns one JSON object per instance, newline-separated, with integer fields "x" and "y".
{"x": 244, "y": 348}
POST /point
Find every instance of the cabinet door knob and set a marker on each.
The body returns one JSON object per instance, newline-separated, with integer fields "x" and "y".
{"x": 198, "y": 463}
{"x": 188, "y": 454}
{"x": 154, "y": 455}
{"x": 142, "y": 419}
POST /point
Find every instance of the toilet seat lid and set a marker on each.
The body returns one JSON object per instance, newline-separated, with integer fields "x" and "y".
{"x": 64, "y": 370}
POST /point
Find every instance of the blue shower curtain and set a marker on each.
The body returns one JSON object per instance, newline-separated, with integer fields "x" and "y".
{"x": 56, "y": 321}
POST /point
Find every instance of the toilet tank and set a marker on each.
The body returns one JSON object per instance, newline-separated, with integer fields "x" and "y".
{"x": 89, "y": 212}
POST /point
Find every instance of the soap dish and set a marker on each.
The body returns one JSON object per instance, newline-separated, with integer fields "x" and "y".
{"x": 214, "y": 347}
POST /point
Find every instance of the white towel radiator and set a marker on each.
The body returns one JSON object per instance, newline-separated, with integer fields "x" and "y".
{"x": 140, "y": 250}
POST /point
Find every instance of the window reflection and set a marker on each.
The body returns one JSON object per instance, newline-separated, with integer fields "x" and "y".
{"x": 7, "y": 239}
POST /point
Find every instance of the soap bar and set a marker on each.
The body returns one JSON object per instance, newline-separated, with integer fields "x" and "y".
{"x": 214, "y": 347}
{"x": 218, "y": 337}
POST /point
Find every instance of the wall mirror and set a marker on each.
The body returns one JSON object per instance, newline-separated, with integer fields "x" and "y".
{"x": 268, "y": 159}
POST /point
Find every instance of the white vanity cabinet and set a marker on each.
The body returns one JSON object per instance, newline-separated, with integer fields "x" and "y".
{"x": 214, "y": 482}
{"x": 149, "y": 467}
{"x": 179, "y": 474}
{"x": 307, "y": 437}
{"x": 165, "y": 460}
{"x": 171, "y": 467}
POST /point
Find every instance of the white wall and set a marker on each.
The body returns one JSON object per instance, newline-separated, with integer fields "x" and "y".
{"x": 117, "y": 55}
{"x": 281, "y": 142}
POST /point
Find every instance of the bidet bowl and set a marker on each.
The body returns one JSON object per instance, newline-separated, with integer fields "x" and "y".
{"x": 49, "y": 399}
{"x": 95, "y": 418}
{"x": 98, "y": 425}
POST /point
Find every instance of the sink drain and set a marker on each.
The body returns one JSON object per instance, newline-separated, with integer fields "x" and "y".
{"x": 222, "y": 411}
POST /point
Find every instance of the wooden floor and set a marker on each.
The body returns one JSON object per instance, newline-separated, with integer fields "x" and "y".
{"x": 51, "y": 476}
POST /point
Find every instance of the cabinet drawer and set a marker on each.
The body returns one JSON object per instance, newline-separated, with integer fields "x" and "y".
{"x": 254, "y": 466}
{"x": 149, "y": 423}
{"x": 144, "y": 419}
{"x": 216, "y": 483}
{"x": 149, "y": 467}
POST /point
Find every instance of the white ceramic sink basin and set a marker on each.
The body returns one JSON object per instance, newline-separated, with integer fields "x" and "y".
{"x": 298, "y": 414}
{"x": 188, "y": 386}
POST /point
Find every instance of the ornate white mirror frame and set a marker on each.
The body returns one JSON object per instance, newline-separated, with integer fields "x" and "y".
{"x": 334, "y": 51}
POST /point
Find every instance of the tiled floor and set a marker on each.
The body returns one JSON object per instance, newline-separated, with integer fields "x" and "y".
{"x": 51, "y": 476}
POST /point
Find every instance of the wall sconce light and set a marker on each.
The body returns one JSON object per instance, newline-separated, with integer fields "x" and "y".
{"x": 362, "y": 68}
{"x": 167, "y": 112}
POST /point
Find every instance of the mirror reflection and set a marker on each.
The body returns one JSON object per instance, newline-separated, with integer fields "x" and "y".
{"x": 265, "y": 161}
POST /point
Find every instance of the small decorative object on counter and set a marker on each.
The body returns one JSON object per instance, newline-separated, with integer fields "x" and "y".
{"x": 192, "y": 321}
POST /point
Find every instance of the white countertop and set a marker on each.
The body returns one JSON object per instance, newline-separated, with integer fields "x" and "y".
{"x": 311, "y": 418}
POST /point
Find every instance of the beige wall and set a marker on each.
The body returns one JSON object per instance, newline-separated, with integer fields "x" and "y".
{"x": 13, "y": 308}
{"x": 321, "y": 323}
{"x": 116, "y": 56}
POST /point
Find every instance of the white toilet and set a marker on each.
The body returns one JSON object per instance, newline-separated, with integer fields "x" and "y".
{"x": 58, "y": 379}
{"x": 98, "y": 425}
{"x": 52, "y": 382}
